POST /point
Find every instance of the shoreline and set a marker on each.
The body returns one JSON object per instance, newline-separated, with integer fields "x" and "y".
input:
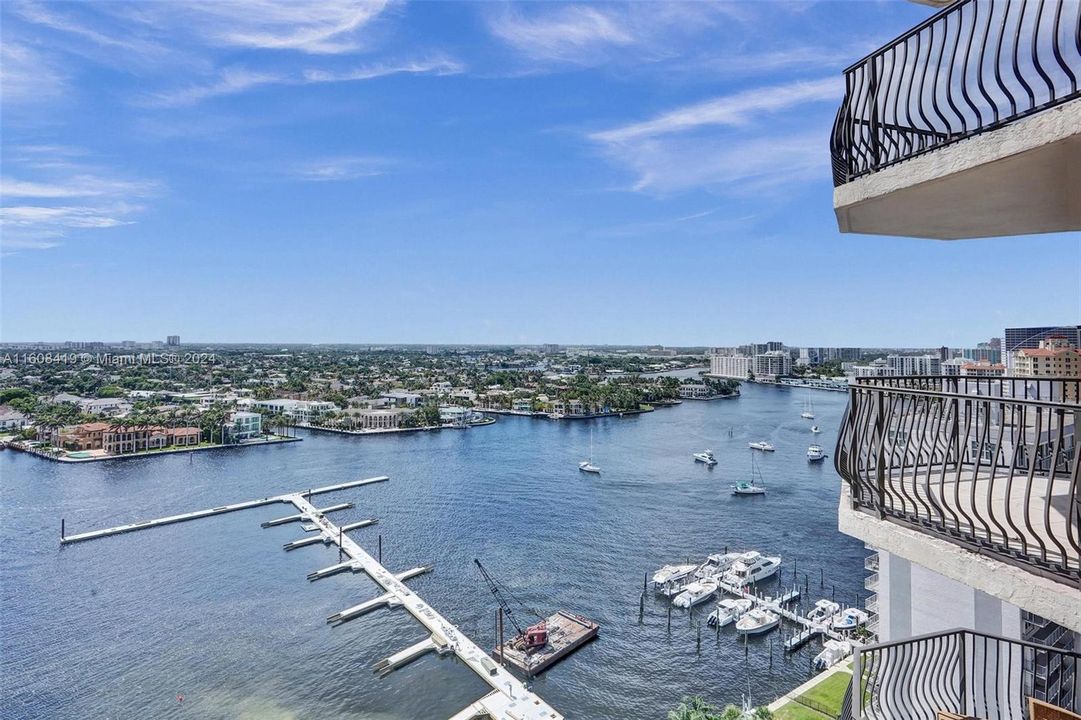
{"x": 798, "y": 385}
{"x": 391, "y": 431}
{"x": 277, "y": 440}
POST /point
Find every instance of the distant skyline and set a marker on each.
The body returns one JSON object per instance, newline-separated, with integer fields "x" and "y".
{"x": 494, "y": 173}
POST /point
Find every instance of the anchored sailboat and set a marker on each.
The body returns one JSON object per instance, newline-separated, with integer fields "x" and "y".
{"x": 587, "y": 465}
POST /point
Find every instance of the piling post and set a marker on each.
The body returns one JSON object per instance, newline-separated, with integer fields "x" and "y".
{"x": 834, "y": 596}
{"x": 339, "y": 543}
{"x": 645, "y": 581}
{"x": 641, "y": 606}
{"x": 380, "y": 549}
{"x": 771, "y": 653}
{"x": 745, "y": 645}
{"x": 61, "y": 528}
{"x": 821, "y": 578}
{"x": 669, "y": 618}
{"x": 502, "y": 659}
{"x": 718, "y": 630}
{"x": 698, "y": 647}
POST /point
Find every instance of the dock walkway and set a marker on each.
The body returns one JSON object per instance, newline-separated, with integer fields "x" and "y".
{"x": 509, "y": 698}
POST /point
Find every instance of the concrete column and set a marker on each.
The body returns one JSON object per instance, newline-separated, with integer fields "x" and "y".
{"x": 894, "y": 597}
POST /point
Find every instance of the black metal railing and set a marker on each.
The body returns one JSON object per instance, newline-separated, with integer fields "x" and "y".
{"x": 989, "y": 463}
{"x": 972, "y": 67}
{"x": 959, "y": 671}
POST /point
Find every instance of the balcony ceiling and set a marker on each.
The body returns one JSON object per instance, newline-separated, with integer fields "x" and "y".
{"x": 1024, "y": 178}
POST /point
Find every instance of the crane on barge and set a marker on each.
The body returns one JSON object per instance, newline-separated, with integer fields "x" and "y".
{"x": 532, "y": 638}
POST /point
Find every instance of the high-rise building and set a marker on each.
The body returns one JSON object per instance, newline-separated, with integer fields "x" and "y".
{"x": 730, "y": 366}
{"x": 172, "y": 340}
{"x": 964, "y": 487}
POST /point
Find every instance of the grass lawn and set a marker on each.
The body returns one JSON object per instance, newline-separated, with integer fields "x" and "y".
{"x": 830, "y": 693}
{"x": 795, "y": 711}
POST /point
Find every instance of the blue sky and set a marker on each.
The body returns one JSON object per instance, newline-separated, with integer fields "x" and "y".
{"x": 477, "y": 172}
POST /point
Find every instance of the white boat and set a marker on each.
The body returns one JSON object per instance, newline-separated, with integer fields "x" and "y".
{"x": 849, "y": 619}
{"x": 833, "y": 652}
{"x": 555, "y": 416}
{"x": 761, "y": 445}
{"x": 673, "y": 573}
{"x": 823, "y": 611}
{"x": 705, "y": 457}
{"x": 808, "y": 410}
{"x": 716, "y": 565}
{"x": 752, "y": 567}
{"x": 587, "y": 465}
{"x": 728, "y": 611}
{"x": 815, "y": 454}
{"x": 815, "y": 430}
{"x": 696, "y": 592}
{"x": 756, "y": 622}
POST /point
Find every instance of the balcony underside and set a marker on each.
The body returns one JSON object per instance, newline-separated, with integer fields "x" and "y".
{"x": 1023, "y": 178}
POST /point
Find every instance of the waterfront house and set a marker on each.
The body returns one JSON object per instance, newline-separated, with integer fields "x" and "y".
{"x": 122, "y": 440}
{"x": 301, "y": 412}
{"x": 403, "y": 398}
{"x": 522, "y": 405}
{"x": 376, "y": 419}
{"x": 695, "y": 391}
{"x": 241, "y": 426}
{"x": 87, "y": 436}
{"x": 12, "y": 419}
{"x": 965, "y": 488}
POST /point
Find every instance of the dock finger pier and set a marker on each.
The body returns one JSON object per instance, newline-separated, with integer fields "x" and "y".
{"x": 508, "y": 699}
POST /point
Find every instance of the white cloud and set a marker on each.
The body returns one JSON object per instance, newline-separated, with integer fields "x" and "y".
{"x": 76, "y": 186}
{"x": 26, "y": 75}
{"x": 569, "y": 33}
{"x": 735, "y": 142}
{"x": 734, "y": 109}
{"x": 231, "y": 81}
{"x": 341, "y": 169}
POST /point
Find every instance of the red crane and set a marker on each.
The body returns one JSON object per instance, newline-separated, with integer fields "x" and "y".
{"x": 533, "y": 637}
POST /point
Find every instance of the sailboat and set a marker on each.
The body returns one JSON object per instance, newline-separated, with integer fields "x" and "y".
{"x": 587, "y": 465}
{"x": 808, "y": 409}
{"x": 750, "y": 488}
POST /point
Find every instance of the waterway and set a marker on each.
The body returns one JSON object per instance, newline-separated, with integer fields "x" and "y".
{"x": 214, "y": 611}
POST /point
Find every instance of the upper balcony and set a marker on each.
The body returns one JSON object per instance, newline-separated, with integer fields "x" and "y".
{"x": 990, "y": 465}
{"x": 968, "y": 125}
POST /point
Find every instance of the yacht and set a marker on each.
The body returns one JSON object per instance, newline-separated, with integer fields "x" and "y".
{"x": 705, "y": 457}
{"x": 815, "y": 454}
{"x": 752, "y": 567}
{"x": 833, "y": 652}
{"x": 587, "y": 465}
{"x": 815, "y": 430}
{"x": 849, "y": 619}
{"x": 728, "y": 611}
{"x": 756, "y": 622}
{"x": 696, "y": 592}
{"x": 823, "y": 611}
{"x": 761, "y": 445}
{"x": 716, "y": 565}
{"x": 808, "y": 410}
{"x": 673, "y": 573}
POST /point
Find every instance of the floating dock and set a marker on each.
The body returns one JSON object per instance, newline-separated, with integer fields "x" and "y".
{"x": 566, "y": 633}
{"x": 508, "y": 697}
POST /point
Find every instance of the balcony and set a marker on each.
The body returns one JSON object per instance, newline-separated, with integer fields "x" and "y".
{"x": 968, "y": 125}
{"x": 989, "y": 464}
{"x": 967, "y": 673}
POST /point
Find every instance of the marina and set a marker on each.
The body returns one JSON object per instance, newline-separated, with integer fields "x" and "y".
{"x": 566, "y": 633}
{"x": 259, "y": 624}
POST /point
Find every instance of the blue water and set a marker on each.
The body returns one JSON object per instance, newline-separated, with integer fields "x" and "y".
{"x": 216, "y": 611}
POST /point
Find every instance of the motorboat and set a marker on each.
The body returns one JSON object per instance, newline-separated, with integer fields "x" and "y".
{"x": 706, "y": 457}
{"x": 823, "y": 611}
{"x": 815, "y": 454}
{"x": 815, "y": 430}
{"x": 761, "y": 445}
{"x": 849, "y": 619}
{"x": 756, "y": 622}
{"x": 833, "y": 652}
{"x": 752, "y": 567}
{"x": 728, "y": 611}
{"x": 587, "y": 465}
{"x": 673, "y": 573}
{"x": 696, "y": 592}
{"x": 716, "y": 565}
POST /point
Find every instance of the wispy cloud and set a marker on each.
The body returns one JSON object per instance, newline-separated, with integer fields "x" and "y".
{"x": 734, "y": 109}
{"x": 27, "y": 76}
{"x": 735, "y": 142}
{"x": 234, "y": 80}
{"x": 339, "y": 169}
{"x": 569, "y": 33}
{"x": 43, "y": 213}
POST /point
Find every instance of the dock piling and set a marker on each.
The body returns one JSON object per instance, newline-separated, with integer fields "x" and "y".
{"x": 499, "y": 622}
{"x": 380, "y": 549}
{"x": 698, "y": 647}
{"x": 669, "y": 619}
{"x": 340, "y": 549}
{"x": 771, "y": 653}
{"x": 61, "y": 528}
{"x": 641, "y": 606}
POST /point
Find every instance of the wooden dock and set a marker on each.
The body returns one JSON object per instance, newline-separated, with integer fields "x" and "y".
{"x": 566, "y": 633}
{"x": 508, "y": 699}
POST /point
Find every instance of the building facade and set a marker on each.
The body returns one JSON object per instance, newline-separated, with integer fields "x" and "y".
{"x": 730, "y": 366}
